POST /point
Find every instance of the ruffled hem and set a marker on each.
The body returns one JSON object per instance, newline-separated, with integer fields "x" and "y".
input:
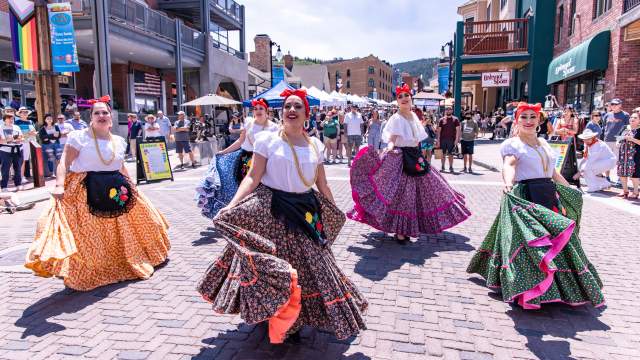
{"x": 219, "y": 184}
{"x": 386, "y": 212}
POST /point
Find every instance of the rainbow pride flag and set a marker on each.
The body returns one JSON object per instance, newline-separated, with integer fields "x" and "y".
{"x": 24, "y": 34}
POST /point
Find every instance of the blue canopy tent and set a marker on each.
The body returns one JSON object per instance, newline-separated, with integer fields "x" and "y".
{"x": 275, "y": 100}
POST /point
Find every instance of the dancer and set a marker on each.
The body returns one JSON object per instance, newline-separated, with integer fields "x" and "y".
{"x": 98, "y": 229}
{"x": 278, "y": 264}
{"x": 232, "y": 164}
{"x": 400, "y": 192}
{"x": 532, "y": 251}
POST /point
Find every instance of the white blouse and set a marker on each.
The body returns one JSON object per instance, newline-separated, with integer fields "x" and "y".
{"x": 281, "y": 172}
{"x": 88, "y": 159}
{"x": 251, "y": 129}
{"x": 529, "y": 165}
{"x": 409, "y": 132}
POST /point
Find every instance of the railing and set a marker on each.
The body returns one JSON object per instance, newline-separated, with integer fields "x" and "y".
{"x": 230, "y": 7}
{"x": 192, "y": 38}
{"x": 495, "y": 37}
{"x": 143, "y": 18}
{"x": 230, "y": 50}
{"x": 630, "y": 4}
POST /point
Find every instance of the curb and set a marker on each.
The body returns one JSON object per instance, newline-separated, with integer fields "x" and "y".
{"x": 486, "y": 166}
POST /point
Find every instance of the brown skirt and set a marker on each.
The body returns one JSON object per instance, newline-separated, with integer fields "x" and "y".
{"x": 89, "y": 251}
{"x": 256, "y": 274}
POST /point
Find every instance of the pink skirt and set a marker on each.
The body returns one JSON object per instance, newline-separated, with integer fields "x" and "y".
{"x": 390, "y": 201}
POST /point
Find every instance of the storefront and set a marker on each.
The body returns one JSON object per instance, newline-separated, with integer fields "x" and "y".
{"x": 579, "y": 74}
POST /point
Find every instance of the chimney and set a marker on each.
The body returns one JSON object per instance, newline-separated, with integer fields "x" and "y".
{"x": 288, "y": 61}
{"x": 259, "y": 59}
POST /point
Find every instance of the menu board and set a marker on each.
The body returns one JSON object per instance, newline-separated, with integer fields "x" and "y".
{"x": 567, "y": 161}
{"x": 153, "y": 160}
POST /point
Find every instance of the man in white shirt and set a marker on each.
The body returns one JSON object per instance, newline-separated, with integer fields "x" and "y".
{"x": 597, "y": 159}
{"x": 165, "y": 125}
{"x": 353, "y": 122}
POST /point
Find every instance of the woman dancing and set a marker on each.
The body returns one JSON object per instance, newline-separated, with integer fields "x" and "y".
{"x": 532, "y": 251}
{"x": 98, "y": 229}
{"x": 278, "y": 265}
{"x": 400, "y": 193}
{"x": 232, "y": 164}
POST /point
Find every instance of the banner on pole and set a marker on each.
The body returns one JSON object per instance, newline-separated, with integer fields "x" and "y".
{"x": 64, "y": 53}
{"x": 443, "y": 77}
{"x": 278, "y": 75}
{"x": 24, "y": 43}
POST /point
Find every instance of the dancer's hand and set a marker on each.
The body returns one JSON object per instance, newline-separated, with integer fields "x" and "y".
{"x": 507, "y": 188}
{"x": 222, "y": 211}
{"x": 58, "y": 192}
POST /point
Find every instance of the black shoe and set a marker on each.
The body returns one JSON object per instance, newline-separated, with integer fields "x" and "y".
{"x": 294, "y": 338}
{"x": 402, "y": 241}
{"x": 451, "y": 169}
{"x": 442, "y": 168}
{"x": 464, "y": 170}
{"x": 470, "y": 171}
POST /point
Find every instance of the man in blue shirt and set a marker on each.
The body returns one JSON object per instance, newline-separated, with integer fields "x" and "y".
{"x": 134, "y": 132}
{"x": 614, "y": 122}
{"x": 77, "y": 123}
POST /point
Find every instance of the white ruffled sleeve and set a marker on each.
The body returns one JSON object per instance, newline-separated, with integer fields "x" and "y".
{"x": 263, "y": 142}
{"x": 77, "y": 139}
{"x": 509, "y": 148}
{"x": 320, "y": 146}
{"x": 393, "y": 127}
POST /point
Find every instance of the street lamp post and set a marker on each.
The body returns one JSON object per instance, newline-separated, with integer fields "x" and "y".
{"x": 278, "y": 57}
{"x": 442, "y": 56}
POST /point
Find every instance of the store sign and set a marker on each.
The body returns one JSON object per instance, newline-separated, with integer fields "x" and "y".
{"x": 496, "y": 79}
{"x": 64, "y": 54}
{"x": 566, "y": 69}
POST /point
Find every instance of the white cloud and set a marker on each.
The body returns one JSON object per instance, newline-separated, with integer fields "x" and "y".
{"x": 394, "y": 30}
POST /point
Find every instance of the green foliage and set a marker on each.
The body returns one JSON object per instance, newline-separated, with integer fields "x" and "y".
{"x": 426, "y": 67}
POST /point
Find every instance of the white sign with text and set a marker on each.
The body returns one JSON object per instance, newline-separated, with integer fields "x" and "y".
{"x": 496, "y": 79}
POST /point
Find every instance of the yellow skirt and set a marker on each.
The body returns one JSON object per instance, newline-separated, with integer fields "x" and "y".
{"x": 89, "y": 251}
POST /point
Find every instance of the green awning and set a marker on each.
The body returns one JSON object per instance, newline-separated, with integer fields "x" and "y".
{"x": 590, "y": 55}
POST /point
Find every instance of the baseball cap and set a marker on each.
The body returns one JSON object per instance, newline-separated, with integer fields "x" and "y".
{"x": 616, "y": 101}
{"x": 180, "y": 113}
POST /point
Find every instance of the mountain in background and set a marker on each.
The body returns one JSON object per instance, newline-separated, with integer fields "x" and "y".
{"x": 426, "y": 67}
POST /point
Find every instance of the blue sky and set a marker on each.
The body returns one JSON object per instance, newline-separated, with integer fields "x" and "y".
{"x": 394, "y": 30}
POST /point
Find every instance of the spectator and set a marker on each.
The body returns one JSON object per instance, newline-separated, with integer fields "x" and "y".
{"x": 629, "y": 156}
{"x": 165, "y": 125}
{"x": 470, "y": 130}
{"x": 77, "y": 123}
{"x": 374, "y": 131}
{"x": 311, "y": 125}
{"x": 10, "y": 152}
{"x": 29, "y": 134}
{"x": 545, "y": 128}
{"x": 203, "y": 129}
{"x": 342, "y": 140}
{"x": 594, "y": 124}
{"x": 64, "y": 129}
{"x": 596, "y": 159}
{"x": 181, "y": 131}
{"x": 235, "y": 127}
{"x": 134, "y": 133}
{"x": 427, "y": 144}
{"x": 353, "y": 121}
{"x": 615, "y": 122}
{"x": 331, "y": 129}
{"x": 567, "y": 126}
{"x": 71, "y": 107}
{"x": 448, "y": 136}
{"x": 49, "y": 136}
{"x": 152, "y": 129}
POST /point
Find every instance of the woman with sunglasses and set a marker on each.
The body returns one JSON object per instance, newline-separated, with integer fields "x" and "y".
{"x": 232, "y": 164}
{"x": 278, "y": 265}
{"x": 594, "y": 123}
{"x": 98, "y": 229}
{"x": 532, "y": 252}
{"x": 399, "y": 192}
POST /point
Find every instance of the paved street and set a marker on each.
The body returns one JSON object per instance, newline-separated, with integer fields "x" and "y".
{"x": 422, "y": 303}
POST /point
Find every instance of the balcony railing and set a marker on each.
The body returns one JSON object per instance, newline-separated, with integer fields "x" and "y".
{"x": 228, "y": 49}
{"x": 192, "y": 38}
{"x": 495, "y": 37}
{"x": 230, "y": 7}
{"x": 630, "y": 4}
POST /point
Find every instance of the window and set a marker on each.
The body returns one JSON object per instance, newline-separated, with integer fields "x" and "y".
{"x": 348, "y": 72}
{"x": 381, "y": 85}
{"x": 372, "y": 70}
{"x": 489, "y": 12}
{"x": 572, "y": 17}
{"x": 8, "y": 72}
{"x": 560, "y": 23}
{"x": 348, "y": 83}
{"x": 372, "y": 83}
{"x": 329, "y": 75}
{"x": 600, "y": 7}
{"x": 503, "y": 3}
{"x": 337, "y": 74}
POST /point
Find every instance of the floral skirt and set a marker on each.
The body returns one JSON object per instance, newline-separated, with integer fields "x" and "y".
{"x": 390, "y": 201}
{"x": 270, "y": 273}
{"x": 89, "y": 251}
{"x": 533, "y": 254}
{"x": 219, "y": 184}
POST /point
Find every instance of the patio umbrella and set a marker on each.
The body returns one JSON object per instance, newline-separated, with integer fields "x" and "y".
{"x": 212, "y": 99}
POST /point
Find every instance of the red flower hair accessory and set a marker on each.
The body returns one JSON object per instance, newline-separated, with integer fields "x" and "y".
{"x": 403, "y": 89}
{"x": 103, "y": 99}
{"x": 522, "y": 106}
{"x": 260, "y": 102}
{"x": 302, "y": 94}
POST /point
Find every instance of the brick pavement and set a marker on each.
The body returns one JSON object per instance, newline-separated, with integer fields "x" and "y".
{"x": 423, "y": 304}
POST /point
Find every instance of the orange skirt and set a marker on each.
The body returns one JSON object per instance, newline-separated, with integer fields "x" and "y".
{"x": 89, "y": 251}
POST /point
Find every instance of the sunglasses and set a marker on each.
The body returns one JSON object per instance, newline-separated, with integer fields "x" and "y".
{"x": 595, "y": 115}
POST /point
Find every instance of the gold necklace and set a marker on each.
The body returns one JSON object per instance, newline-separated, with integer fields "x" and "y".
{"x": 543, "y": 160}
{"x": 295, "y": 159}
{"x": 113, "y": 147}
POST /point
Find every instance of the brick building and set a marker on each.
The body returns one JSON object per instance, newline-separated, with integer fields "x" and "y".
{"x": 362, "y": 76}
{"x": 596, "y": 53}
{"x": 414, "y": 82}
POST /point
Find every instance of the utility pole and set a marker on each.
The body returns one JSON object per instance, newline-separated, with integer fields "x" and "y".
{"x": 47, "y": 86}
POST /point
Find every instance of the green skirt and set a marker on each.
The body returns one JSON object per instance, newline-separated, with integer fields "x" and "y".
{"x": 534, "y": 254}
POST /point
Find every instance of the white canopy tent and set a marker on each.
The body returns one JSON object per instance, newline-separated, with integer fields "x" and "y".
{"x": 212, "y": 99}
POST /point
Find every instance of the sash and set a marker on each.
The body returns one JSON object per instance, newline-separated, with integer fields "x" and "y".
{"x": 301, "y": 212}
{"x": 413, "y": 163}
{"x": 109, "y": 193}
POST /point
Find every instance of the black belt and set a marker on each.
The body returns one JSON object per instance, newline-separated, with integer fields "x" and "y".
{"x": 541, "y": 191}
{"x": 300, "y": 211}
{"x": 109, "y": 193}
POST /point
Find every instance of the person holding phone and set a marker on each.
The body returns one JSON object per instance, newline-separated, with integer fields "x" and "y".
{"x": 10, "y": 152}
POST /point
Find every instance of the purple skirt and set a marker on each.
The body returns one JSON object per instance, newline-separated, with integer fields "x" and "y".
{"x": 390, "y": 201}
